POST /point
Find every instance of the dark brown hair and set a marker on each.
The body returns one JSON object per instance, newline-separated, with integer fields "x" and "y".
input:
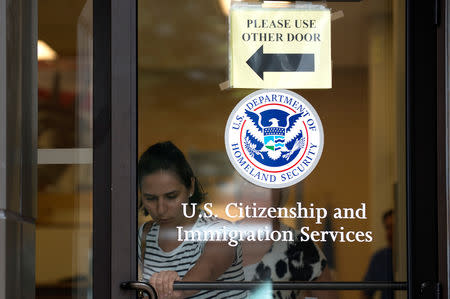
{"x": 166, "y": 156}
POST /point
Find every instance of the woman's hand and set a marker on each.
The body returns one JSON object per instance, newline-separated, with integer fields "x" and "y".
{"x": 163, "y": 284}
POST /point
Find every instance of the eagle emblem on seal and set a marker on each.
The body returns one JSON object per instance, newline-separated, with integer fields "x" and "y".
{"x": 274, "y": 134}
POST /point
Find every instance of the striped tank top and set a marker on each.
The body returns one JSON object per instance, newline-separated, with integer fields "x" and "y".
{"x": 184, "y": 257}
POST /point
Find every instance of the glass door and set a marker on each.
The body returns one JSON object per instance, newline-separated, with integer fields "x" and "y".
{"x": 64, "y": 225}
{"x": 165, "y": 95}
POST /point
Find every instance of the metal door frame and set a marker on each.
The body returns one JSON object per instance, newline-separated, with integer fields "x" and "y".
{"x": 115, "y": 147}
{"x": 425, "y": 95}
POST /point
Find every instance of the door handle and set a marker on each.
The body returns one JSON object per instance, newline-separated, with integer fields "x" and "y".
{"x": 180, "y": 285}
{"x": 141, "y": 287}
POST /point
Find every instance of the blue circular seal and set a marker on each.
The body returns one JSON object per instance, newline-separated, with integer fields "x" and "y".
{"x": 274, "y": 138}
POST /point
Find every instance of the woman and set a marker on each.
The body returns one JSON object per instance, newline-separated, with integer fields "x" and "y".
{"x": 171, "y": 194}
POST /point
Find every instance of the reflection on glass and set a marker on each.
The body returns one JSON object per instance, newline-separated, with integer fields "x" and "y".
{"x": 363, "y": 117}
{"x": 64, "y": 223}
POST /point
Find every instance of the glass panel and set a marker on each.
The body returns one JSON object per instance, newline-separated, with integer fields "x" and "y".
{"x": 64, "y": 223}
{"x": 183, "y": 59}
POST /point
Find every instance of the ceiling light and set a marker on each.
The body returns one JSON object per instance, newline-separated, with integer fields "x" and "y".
{"x": 225, "y": 6}
{"x": 45, "y": 52}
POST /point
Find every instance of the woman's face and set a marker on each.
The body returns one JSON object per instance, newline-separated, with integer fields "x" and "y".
{"x": 162, "y": 196}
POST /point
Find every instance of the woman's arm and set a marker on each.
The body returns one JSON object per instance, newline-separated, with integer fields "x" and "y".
{"x": 216, "y": 258}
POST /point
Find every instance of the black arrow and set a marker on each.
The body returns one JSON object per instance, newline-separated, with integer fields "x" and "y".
{"x": 260, "y": 62}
